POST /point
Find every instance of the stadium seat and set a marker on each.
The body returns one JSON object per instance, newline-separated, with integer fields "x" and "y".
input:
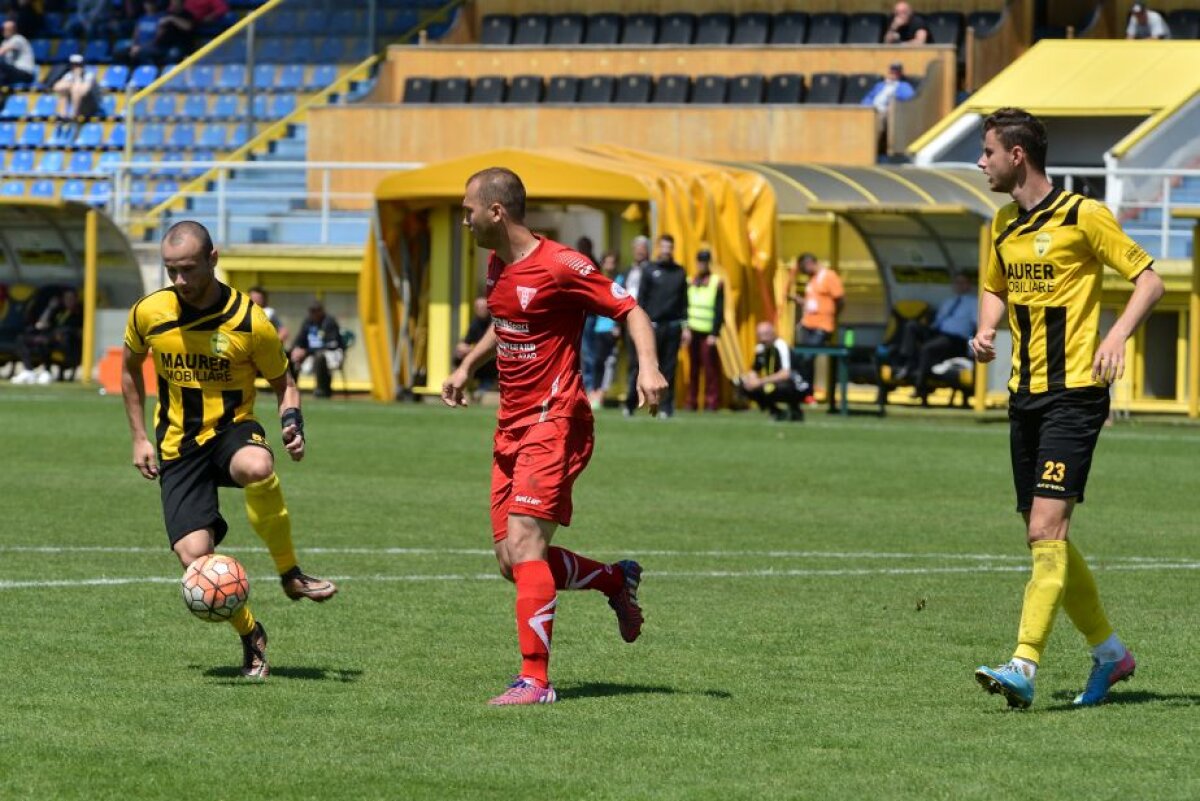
{"x": 753, "y": 28}
{"x": 42, "y": 50}
{"x": 1184, "y": 23}
{"x": 100, "y": 193}
{"x": 826, "y": 87}
{"x": 488, "y": 89}
{"x": 946, "y": 27}
{"x": 858, "y": 86}
{"x": 789, "y": 27}
{"x": 139, "y": 194}
{"x": 116, "y": 136}
{"x": 678, "y": 28}
{"x": 108, "y": 161}
{"x": 8, "y": 134}
{"x": 827, "y": 29}
{"x": 232, "y": 51}
{"x": 183, "y": 136}
{"x": 91, "y": 135}
{"x": 13, "y": 188}
{"x": 16, "y": 107}
{"x": 313, "y": 22}
{"x": 345, "y": 22}
{"x": 66, "y": 48}
{"x": 195, "y": 106}
{"x": 97, "y": 51}
{"x": 50, "y": 161}
{"x": 603, "y": 29}
{"x": 226, "y": 107}
{"x": 865, "y": 28}
{"x": 264, "y": 77}
{"x": 746, "y": 89}
{"x": 108, "y": 106}
{"x": 163, "y": 106}
{"x": 714, "y": 29}
{"x": 201, "y": 76}
{"x": 640, "y": 29}
{"x": 33, "y": 135}
{"x": 298, "y": 49}
{"x": 786, "y": 87}
{"x": 45, "y": 107}
{"x": 82, "y": 162}
{"x": 291, "y": 78}
{"x": 322, "y": 75}
{"x": 74, "y": 189}
{"x": 418, "y": 90}
{"x": 151, "y": 135}
{"x": 497, "y": 29}
{"x": 268, "y": 50}
{"x": 672, "y": 89}
{"x": 562, "y": 89}
{"x": 199, "y": 155}
{"x": 214, "y": 136}
{"x": 231, "y": 78}
{"x": 531, "y": 30}
{"x": 710, "y": 89}
{"x": 43, "y": 188}
{"x": 634, "y": 89}
{"x": 567, "y": 29}
{"x": 282, "y": 106}
{"x": 143, "y": 76}
{"x": 115, "y": 78}
{"x": 983, "y": 21}
{"x": 167, "y": 165}
{"x": 597, "y": 89}
{"x": 164, "y": 191}
{"x": 451, "y": 90}
{"x": 525, "y": 89}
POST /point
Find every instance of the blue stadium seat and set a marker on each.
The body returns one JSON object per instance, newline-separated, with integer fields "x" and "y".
{"x": 282, "y": 106}
{"x": 42, "y": 50}
{"x": 298, "y": 50}
{"x": 42, "y": 188}
{"x": 143, "y": 76}
{"x": 115, "y": 78}
{"x": 264, "y": 76}
{"x": 163, "y": 105}
{"x": 201, "y": 76}
{"x": 331, "y": 51}
{"x": 269, "y": 50}
{"x": 33, "y": 135}
{"x": 97, "y": 52}
{"x": 3, "y": 160}
{"x": 100, "y": 193}
{"x": 8, "y": 134}
{"x": 225, "y": 107}
{"x": 322, "y": 75}
{"x": 290, "y": 78}
{"x": 66, "y": 48}
{"x": 239, "y": 136}
{"x": 214, "y": 136}
{"x": 399, "y": 21}
{"x": 108, "y": 106}
{"x": 91, "y": 134}
{"x": 199, "y": 155}
{"x": 22, "y": 161}
{"x": 107, "y": 163}
{"x": 52, "y": 23}
{"x": 167, "y": 165}
{"x": 139, "y": 194}
{"x": 183, "y": 136}
{"x": 261, "y": 109}
{"x": 50, "y": 161}
{"x": 151, "y": 135}
{"x": 13, "y": 189}
{"x": 74, "y": 189}
{"x": 179, "y": 81}
{"x": 143, "y": 163}
{"x": 46, "y": 107}
{"x": 230, "y": 52}
{"x": 313, "y": 23}
{"x": 195, "y": 107}
{"x": 232, "y": 78}
{"x": 164, "y": 191}
{"x": 116, "y": 136}
{"x": 15, "y": 107}
{"x": 82, "y": 161}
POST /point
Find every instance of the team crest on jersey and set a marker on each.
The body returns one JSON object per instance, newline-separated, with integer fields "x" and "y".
{"x": 1041, "y": 243}
{"x": 619, "y": 292}
{"x": 525, "y": 295}
{"x": 219, "y": 343}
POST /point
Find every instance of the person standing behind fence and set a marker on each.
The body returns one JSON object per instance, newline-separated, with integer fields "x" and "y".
{"x": 706, "y": 313}
{"x": 823, "y": 300}
{"x": 664, "y": 297}
{"x": 633, "y": 285}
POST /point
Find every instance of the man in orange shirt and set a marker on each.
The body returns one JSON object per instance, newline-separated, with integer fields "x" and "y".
{"x": 822, "y": 303}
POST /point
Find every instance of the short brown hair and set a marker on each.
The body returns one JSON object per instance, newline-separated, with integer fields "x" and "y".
{"x": 190, "y": 228}
{"x": 1016, "y": 126}
{"x": 501, "y": 185}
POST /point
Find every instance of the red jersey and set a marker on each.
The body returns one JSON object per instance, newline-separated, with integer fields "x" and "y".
{"x": 538, "y": 306}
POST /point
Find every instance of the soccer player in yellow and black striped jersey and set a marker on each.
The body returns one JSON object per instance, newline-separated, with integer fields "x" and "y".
{"x": 208, "y": 343}
{"x": 1049, "y": 248}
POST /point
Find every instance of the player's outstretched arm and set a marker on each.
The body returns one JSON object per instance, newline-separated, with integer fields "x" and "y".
{"x": 133, "y": 391}
{"x": 290, "y": 419}
{"x": 991, "y": 312}
{"x": 1109, "y": 364}
{"x": 454, "y": 388}
{"x": 650, "y": 382}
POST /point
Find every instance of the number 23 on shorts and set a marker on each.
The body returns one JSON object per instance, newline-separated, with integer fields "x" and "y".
{"x": 1055, "y": 471}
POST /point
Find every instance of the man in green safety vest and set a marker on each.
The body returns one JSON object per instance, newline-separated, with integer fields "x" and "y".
{"x": 706, "y": 313}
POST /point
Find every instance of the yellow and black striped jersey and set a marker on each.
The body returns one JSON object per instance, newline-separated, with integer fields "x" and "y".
{"x": 207, "y": 361}
{"x": 1048, "y": 262}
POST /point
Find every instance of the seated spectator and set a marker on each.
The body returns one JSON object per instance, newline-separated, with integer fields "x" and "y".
{"x": 207, "y": 12}
{"x": 1146, "y": 24}
{"x": 140, "y": 49}
{"x": 78, "y": 93}
{"x": 892, "y": 89}
{"x": 29, "y": 19}
{"x": 90, "y": 20}
{"x": 17, "y": 64}
{"x": 605, "y": 334}
{"x": 907, "y": 28}
{"x": 481, "y": 321}
{"x": 923, "y": 346}
{"x": 58, "y": 327}
{"x": 176, "y": 29}
{"x": 258, "y": 296}
{"x": 773, "y": 384}
{"x": 318, "y": 349}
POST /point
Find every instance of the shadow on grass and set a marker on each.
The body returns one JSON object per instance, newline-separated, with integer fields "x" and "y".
{"x": 285, "y": 672}
{"x": 1118, "y": 698}
{"x": 603, "y": 689}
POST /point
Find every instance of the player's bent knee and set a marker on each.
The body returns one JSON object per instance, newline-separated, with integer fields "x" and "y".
{"x": 251, "y": 465}
{"x": 191, "y": 547}
{"x": 502, "y": 559}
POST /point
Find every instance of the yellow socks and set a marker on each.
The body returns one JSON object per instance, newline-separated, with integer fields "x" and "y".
{"x": 1081, "y": 599}
{"x": 1043, "y": 595}
{"x": 243, "y": 620}
{"x": 269, "y": 517}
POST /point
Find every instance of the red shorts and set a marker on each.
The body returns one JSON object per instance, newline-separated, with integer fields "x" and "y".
{"x": 534, "y": 468}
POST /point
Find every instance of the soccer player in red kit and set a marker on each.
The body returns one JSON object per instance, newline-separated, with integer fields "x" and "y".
{"x": 538, "y": 294}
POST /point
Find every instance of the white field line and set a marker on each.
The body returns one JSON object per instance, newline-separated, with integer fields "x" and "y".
{"x": 667, "y": 574}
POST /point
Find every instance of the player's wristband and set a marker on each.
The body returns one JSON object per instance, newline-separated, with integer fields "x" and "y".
{"x": 291, "y": 417}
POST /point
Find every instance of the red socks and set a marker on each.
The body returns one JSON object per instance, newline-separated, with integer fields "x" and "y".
{"x": 574, "y": 572}
{"x": 536, "y": 600}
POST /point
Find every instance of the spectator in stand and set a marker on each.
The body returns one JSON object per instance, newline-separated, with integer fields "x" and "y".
{"x": 17, "y": 64}
{"x": 481, "y": 321}
{"x": 706, "y": 313}
{"x": 78, "y": 94}
{"x": 1146, "y": 24}
{"x": 605, "y": 336}
{"x": 207, "y": 12}
{"x": 90, "y": 20}
{"x": 176, "y": 29}
{"x": 774, "y": 383}
{"x": 664, "y": 297}
{"x": 29, "y": 19}
{"x": 318, "y": 349}
{"x": 907, "y": 28}
{"x": 632, "y": 281}
{"x": 823, "y": 300}
{"x": 59, "y": 327}
{"x": 892, "y": 89}
{"x": 140, "y": 49}
{"x": 259, "y": 297}
{"x": 921, "y": 346}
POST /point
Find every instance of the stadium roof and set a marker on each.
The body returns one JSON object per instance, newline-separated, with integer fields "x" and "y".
{"x": 1087, "y": 78}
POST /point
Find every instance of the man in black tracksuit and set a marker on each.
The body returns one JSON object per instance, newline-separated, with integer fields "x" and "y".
{"x": 663, "y": 296}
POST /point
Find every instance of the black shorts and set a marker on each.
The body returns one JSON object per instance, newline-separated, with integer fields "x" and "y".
{"x": 189, "y": 483}
{"x": 1053, "y": 435}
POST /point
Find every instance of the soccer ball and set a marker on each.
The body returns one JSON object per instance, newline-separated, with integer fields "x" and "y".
{"x": 214, "y": 587}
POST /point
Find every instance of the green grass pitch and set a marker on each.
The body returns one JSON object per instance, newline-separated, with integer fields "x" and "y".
{"x": 816, "y": 595}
